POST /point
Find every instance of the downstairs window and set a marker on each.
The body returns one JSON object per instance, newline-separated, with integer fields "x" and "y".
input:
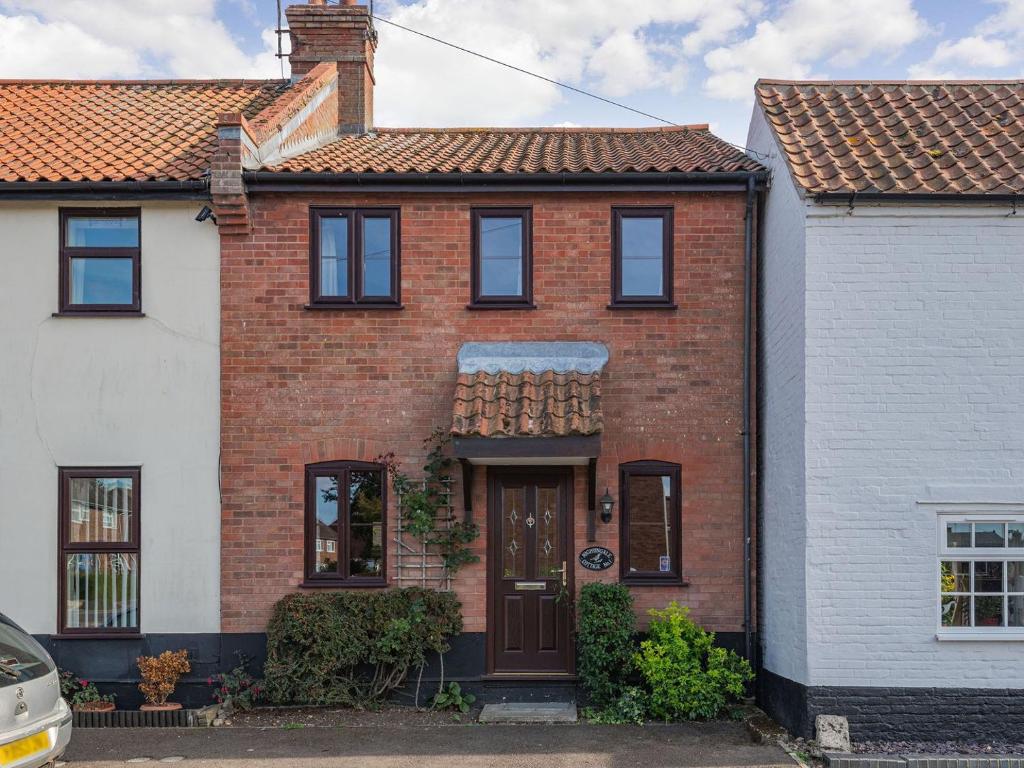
{"x": 981, "y": 575}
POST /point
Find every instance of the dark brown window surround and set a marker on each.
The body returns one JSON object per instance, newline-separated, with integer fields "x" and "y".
{"x": 524, "y": 300}
{"x": 68, "y": 252}
{"x": 621, "y": 301}
{"x": 647, "y": 468}
{"x": 341, "y": 468}
{"x": 66, "y": 547}
{"x": 354, "y": 299}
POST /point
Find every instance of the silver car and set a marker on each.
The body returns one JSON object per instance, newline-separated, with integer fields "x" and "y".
{"x": 35, "y": 722}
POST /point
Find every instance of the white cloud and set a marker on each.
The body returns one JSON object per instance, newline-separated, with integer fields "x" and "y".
{"x": 610, "y": 48}
{"x": 123, "y": 38}
{"x": 997, "y": 42}
{"x": 809, "y": 34}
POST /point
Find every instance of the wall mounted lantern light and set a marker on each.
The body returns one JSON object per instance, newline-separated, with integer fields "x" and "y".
{"x": 607, "y": 502}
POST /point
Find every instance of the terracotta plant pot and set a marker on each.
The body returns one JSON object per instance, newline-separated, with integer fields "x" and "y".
{"x": 170, "y": 706}
{"x": 95, "y": 706}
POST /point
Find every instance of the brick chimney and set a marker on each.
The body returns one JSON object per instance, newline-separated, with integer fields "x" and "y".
{"x": 343, "y": 34}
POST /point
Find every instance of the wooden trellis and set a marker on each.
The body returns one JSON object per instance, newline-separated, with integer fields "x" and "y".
{"x": 416, "y": 563}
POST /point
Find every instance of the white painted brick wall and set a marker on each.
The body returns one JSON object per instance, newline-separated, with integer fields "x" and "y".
{"x": 914, "y": 378}
{"x": 784, "y": 619}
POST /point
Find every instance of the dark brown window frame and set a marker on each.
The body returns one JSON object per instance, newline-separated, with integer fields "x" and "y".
{"x": 649, "y": 468}
{"x": 66, "y": 547}
{"x": 65, "y": 306}
{"x": 523, "y": 300}
{"x": 355, "y": 299}
{"x": 629, "y": 301}
{"x": 341, "y": 468}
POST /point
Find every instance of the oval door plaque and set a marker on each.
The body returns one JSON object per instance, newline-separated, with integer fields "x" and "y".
{"x": 596, "y": 558}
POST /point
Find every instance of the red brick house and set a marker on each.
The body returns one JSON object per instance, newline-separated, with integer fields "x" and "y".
{"x": 572, "y": 306}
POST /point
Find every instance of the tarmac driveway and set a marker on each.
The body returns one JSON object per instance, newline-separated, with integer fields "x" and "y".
{"x": 716, "y": 745}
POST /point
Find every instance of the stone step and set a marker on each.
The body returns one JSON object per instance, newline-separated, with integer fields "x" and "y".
{"x": 530, "y": 712}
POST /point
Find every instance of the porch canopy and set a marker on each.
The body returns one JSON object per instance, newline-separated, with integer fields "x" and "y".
{"x": 532, "y": 402}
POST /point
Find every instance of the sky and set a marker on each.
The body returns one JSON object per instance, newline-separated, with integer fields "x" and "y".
{"x": 684, "y": 61}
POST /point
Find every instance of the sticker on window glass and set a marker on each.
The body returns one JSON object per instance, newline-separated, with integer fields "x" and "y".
{"x": 665, "y": 564}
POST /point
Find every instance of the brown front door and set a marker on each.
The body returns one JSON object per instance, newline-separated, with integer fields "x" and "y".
{"x": 530, "y": 573}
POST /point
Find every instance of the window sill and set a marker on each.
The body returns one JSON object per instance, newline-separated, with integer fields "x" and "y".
{"x": 496, "y": 305}
{"x": 1014, "y": 636}
{"x": 640, "y": 305}
{"x": 98, "y": 636}
{"x": 344, "y": 584}
{"x": 351, "y": 307}
{"x": 653, "y": 581}
{"x": 99, "y": 313}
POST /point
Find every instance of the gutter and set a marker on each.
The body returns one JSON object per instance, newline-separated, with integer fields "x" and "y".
{"x": 945, "y": 198}
{"x": 106, "y": 190}
{"x": 270, "y": 181}
{"x": 748, "y": 279}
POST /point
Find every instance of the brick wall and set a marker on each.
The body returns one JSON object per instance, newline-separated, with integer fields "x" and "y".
{"x": 302, "y": 386}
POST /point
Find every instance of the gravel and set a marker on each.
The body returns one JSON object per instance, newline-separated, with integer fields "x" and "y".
{"x": 938, "y": 748}
{"x": 290, "y": 718}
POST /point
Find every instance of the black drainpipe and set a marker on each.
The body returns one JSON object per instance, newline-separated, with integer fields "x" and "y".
{"x": 748, "y": 253}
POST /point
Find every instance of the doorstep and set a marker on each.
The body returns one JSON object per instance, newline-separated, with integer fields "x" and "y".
{"x": 530, "y": 712}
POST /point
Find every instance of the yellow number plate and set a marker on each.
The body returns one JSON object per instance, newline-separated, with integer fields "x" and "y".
{"x": 16, "y": 750}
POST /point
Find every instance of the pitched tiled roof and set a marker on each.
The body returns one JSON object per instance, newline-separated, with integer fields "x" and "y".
{"x": 527, "y": 404}
{"x": 524, "y": 150}
{"x": 910, "y": 137}
{"x": 118, "y": 131}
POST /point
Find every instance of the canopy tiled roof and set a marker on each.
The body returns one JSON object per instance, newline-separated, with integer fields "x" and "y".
{"x": 527, "y": 404}
{"x": 899, "y": 137}
{"x": 118, "y": 130}
{"x": 524, "y": 150}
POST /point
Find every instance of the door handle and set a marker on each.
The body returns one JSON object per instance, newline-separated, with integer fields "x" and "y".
{"x": 562, "y": 571}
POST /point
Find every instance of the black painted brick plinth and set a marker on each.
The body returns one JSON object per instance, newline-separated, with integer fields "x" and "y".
{"x": 883, "y": 714}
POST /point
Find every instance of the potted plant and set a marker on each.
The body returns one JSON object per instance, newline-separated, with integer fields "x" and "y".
{"x": 82, "y": 695}
{"x": 160, "y": 674}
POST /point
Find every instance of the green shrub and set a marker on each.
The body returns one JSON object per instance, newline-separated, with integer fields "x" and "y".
{"x": 687, "y": 675}
{"x": 453, "y": 698}
{"x": 354, "y": 648}
{"x": 605, "y": 642}
{"x": 630, "y": 708}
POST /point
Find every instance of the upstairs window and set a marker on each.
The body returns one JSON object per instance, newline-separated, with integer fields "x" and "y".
{"x": 346, "y": 509}
{"x": 981, "y": 575}
{"x": 354, "y": 259}
{"x": 502, "y": 269}
{"x": 99, "y": 551}
{"x": 651, "y": 522}
{"x": 642, "y": 257}
{"x": 100, "y": 270}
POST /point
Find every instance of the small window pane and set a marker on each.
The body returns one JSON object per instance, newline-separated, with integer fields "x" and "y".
{"x": 326, "y": 490}
{"x": 101, "y": 509}
{"x": 513, "y": 533}
{"x": 121, "y": 232}
{"x": 501, "y": 256}
{"x": 955, "y": 577}
{"x": 1015, "y": 576}
{"x": 958, "y": 535}
{"x": 101, "y": 591}
{"x": 988, "y": 611}
{"x": 334, "y": 256}
{"x": 988, "y": 576}
{"x": 956, "y": 611}
{"x": 549, "y": 543}
{"x": 102, "y": 281}
{"x": 1015, "y": 613}
{"x": 366, "y": 551}
{"x": 650, "y": 523}
{"x": 376, "y": 256}
{"x": 1015, "y": 534}
{"x": 642, "y": 256}
{"x": 989, "y": 535}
